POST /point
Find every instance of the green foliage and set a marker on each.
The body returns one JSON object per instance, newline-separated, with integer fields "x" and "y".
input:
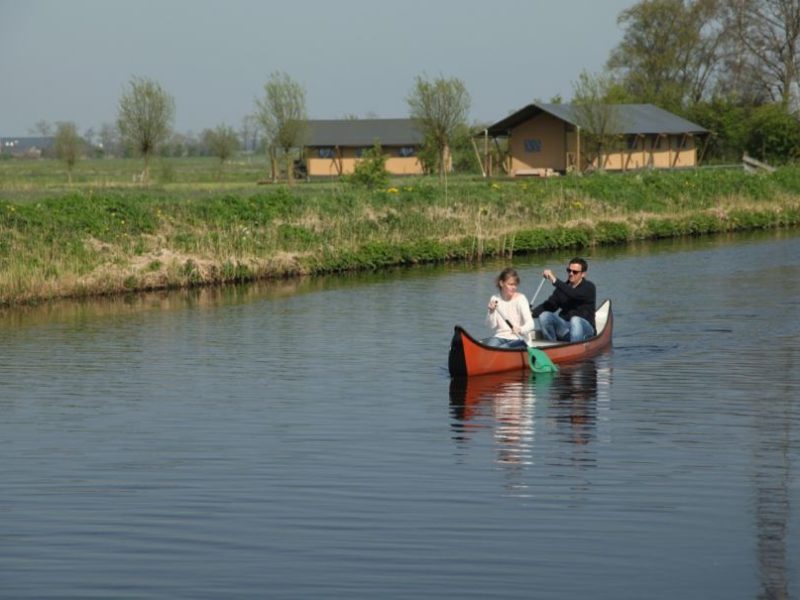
{"x": 235, "y": 272}
{"x": 612, "y": 232}
{"x": 115, "y": 240}
{"x": 773, "y": 134}
{"x": 370, "y": 172}
{"x": 728, "y": 123}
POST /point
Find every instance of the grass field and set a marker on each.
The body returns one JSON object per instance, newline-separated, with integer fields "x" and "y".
{"x": 105, "y": 233}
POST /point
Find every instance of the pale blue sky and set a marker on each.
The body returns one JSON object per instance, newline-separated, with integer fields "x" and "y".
{"x": 71, "y": 59}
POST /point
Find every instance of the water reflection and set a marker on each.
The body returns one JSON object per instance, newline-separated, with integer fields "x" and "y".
{"x": 104, "y": 307}
{"x": 772, "y": 506}
{"x": 512, "y": 405}
{"x": 573, "y": 403}
{"x": 503, "y": 403}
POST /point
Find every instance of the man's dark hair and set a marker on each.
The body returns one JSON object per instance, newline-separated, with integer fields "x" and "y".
{"x": 584, "y": 265}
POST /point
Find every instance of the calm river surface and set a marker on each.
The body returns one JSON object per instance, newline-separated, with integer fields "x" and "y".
{"x": 303, "y": 440}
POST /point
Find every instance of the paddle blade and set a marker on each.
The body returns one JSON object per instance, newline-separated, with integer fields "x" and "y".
{"x": 540, "y": 362}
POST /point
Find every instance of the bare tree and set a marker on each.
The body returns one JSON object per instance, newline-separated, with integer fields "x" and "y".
{"x": 67, "y": 145}
{"x": 597, "y": 116}
{"x": 144, "y": 118}
{"x": 109, "y": 139}
{"x": 89, "y": 135}
{"x": 43, "y": 128}
{"x": 441, "y": 107}
{"x": 249, "y": 133}
{"x": 282, "y": 115}
{"x": 768, "y": 41}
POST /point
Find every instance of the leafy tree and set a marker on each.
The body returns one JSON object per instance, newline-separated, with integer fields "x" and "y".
{"x": 222, "y": 142}
{"x": 669, "y": 52}
{"x": 144, "y": 118}
{"x": 67, "y": 145}
{"x": 593, "y": 105}
{"x": 441, "y": 107}
{"x": 282, "y": 115}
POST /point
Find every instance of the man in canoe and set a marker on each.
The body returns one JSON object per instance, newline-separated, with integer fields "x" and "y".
{"x": 509, "y": 314}
{"x": 573, "y": 300}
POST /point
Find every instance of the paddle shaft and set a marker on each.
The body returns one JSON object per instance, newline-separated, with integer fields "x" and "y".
{"x": 539, "y": 289}
{"x": 510, "y": 326}
{"x": 535, "y": 355}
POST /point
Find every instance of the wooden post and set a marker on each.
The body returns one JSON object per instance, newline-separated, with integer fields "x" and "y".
{"x": 705, "y": 147}
{"x": 503, "y": 164}
{"x": 644, "y": 150}
{"x": 478, "y": 156}
{"x": 486, "y": 152}
{"x": 681, "y": 141}
{"x": 669, "y": 151}
{"x": 578, "y": 149}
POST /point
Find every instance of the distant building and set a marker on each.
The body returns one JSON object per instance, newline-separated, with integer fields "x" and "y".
{"x": 334, "y": 146}
{"x": 545, "y": 139}
{"x": 26, "y": 147}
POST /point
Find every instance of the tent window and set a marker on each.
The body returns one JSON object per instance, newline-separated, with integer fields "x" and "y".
{"x": 533, "y": 145}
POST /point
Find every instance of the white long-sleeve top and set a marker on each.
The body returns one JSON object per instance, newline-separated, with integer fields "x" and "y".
{"x": 517, "y": 310}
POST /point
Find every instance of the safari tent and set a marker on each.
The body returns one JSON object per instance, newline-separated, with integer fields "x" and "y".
{"x": 334, "y": 146}
{"x": 544, "y": 139}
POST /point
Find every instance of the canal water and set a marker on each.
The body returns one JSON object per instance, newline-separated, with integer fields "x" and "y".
{"x": 304, "y": 439}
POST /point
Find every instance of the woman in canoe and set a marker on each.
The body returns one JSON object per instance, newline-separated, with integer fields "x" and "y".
{"x": 509, "y": 314}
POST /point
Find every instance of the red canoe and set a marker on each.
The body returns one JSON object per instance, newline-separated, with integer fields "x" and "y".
{"x": 469, "y": 356}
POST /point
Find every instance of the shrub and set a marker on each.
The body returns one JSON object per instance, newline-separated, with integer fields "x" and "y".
{"x": 370, "y": 171}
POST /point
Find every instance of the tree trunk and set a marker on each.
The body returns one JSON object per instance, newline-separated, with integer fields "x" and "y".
{"x": 273, "y": 164}
{"x": 444, "y": 161}
{"x": 146, "y": 172}
{"x": 289, "y": 168}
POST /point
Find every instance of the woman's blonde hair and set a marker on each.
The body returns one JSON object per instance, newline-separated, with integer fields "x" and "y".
{"x": 505, "y": 274}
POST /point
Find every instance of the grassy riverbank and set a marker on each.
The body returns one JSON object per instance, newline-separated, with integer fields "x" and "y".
{"x": 98, "y": 239}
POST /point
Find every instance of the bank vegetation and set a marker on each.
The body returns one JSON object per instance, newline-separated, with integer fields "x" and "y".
{"x": 83, "y": 240}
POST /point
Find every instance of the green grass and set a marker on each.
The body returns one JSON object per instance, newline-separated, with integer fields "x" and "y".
{"x": 103, "y": 234}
